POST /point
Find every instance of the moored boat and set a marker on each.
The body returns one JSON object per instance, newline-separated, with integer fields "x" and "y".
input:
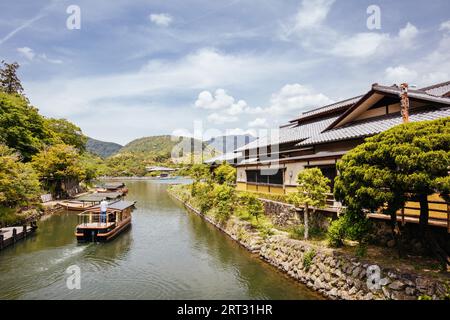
{"x": 88, "y": 201}
{"x": 113, "y": 187}
{"x": 93, "y": 228}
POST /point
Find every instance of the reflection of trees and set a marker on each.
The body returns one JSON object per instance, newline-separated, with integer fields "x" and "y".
{"x": 261, "y": 279}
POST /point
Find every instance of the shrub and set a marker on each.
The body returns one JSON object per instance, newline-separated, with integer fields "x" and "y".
{"x": 251, "y": 204}
{"x": 225, "y": 174}
{"x": 308, "y": 258}
{"x": 204, "y": 197}
{"x": 297, "y": 232}
{"x": 336, "y": 233}
{"x": 224, "y": 200}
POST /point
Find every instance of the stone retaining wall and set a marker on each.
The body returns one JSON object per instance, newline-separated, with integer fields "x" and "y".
{"x": 335, "y": 275}
{"x": 339, "y": 276}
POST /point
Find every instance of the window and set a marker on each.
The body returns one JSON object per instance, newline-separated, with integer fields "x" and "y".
{"x": 267, "y": 176}
{"x": 251, "y": 175}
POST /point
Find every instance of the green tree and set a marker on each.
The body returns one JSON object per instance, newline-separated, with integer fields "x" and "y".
{"x": 252, "y": 204}
{"x": 198, "y": 172}
{"x": 93, "y": 166}
{"x": 19, "y": 184}
{"x": 225, "y": 173}
{"x": 67, "y": 133}
{"x": 58, "y": 163}
{"x": 224, "y": 201}
{"x": 21, "y": 126}
{"x": 407, "y": 162}
{"x": 9, "y": 81}
{"x": 312, "y": 188}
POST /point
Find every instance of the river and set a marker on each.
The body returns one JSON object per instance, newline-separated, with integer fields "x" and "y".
{"x": 169, "y": 253}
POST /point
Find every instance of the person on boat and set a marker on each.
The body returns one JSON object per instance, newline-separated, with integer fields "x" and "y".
{"x": 103, "y": 209}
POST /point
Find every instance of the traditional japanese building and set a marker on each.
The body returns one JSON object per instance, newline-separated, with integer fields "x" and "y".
{"x": 320, "y": 137}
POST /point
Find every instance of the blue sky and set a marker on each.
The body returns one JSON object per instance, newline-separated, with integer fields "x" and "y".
{"x": 140, "y": 68}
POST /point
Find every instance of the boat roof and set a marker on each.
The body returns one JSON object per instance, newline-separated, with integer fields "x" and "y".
{"x": 113, "y": 185}
{"x": 97, "y": 197}
{"x": 119, "y": 205}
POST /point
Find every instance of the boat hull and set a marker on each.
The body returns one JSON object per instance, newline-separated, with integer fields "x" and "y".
{"x": 74, "y": 207}
{"x": 101, "y": 234}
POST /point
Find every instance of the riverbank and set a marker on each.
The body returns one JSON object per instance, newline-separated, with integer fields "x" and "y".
{"x": 333, "y": 273}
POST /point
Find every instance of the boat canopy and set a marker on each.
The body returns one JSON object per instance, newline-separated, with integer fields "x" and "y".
{"x": 113, "y": 185}
{"x": 98, "y": 197}
{"x": 119, "y": 205}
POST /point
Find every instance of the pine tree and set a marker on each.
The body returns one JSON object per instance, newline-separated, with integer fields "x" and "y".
{"x": 9, "y": 81}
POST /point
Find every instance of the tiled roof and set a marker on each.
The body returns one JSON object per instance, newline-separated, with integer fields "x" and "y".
{"x": 419, "y": 94}
{"x": 290, "y": 133}
{"x": 224, "y": 157}
{"x": 372, "y": 126}
{"x": 438, "y": 89}
{"x": 331, "y": 107}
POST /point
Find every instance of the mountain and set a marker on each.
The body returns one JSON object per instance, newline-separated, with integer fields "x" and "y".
{"x": 227, "y": 144}
{"x": 160, "y": 148}
{"x": 102, "y": 148}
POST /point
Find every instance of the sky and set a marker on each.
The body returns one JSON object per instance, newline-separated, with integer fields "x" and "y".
{"x": 123, "y": 69}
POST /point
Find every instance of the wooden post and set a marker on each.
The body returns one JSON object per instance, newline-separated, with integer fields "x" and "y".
{"x": 14, "y": 235}
{"x": 448, "y": 217}
{"x": 404, "y": 102}
{"x": 1, "y": 241}
{"x": 24, "y": 230}
{"x": 403, "y": 216}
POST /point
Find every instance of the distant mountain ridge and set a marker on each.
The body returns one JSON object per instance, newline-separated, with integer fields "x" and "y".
{"x": 102, "y": 148}
{"x": 227, "y": 144}
{"x": 161, "y": 147}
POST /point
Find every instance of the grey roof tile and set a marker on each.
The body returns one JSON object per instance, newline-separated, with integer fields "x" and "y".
{"x": 372, "y": 126}
{"x": 291, "y": 133}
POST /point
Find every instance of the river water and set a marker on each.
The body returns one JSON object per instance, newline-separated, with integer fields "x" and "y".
{"x": 169, "y": 253}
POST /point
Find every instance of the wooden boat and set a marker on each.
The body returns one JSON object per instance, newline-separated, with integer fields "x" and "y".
{"x": 88, "y": 201}
{"x": 74, "y": 205}
{"x": 91, "y": 228}
{"x": 113, "y": 187}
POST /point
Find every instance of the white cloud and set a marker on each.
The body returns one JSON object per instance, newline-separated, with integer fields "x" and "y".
{"x": 161, "y": 19}
{"x": 220, "y": 100}
{"x": 291, "y": 99}
{"x": 44, "y": 57}
{"x": 312, "y": 13}
{"x": 307, "y": 23}
{"x": 221, "y": 118}
{"x": 367, "y": 44}
{"x": 445, "y": 26}
{"x": 431, "y": 69}
{"x": 30, "y": 55}
{"x": 408, "y": 33}
{"x": 204, "y": 68}
{"x": 360, "y": 45}
{"x": 295, "y": 98}
{"x": 399, "y": 75}
{"x": 258, "y": 122}
{"x": 27, "y": 52}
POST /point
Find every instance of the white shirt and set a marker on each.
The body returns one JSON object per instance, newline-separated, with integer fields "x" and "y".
{"x": 103, "y": 206}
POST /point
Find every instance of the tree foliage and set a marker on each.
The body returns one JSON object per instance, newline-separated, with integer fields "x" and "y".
{"x": 58, "y": 163}
{"x": 312, "y": 188}
{"x": 224, "y": 200}
{"x": 68, "y": 133}
{"x": 252, "y": 204}
{"x": 21, "y": 126}
{"x": 409, "y": 161}
{"x": 9, "y": 81}
{"x": 19, "y": 184}
{"x": 198, "y": 172}
{"x": 225, "y": 173}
